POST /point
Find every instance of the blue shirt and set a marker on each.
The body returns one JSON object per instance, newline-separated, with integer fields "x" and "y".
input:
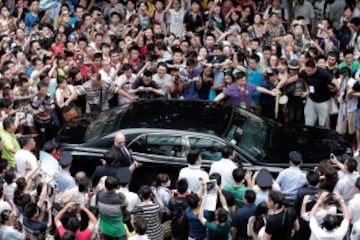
{"x": 241, "y": 219}
{"x": 255, "y": 78}
{"x": 190, "y": 92}
{"x": 290, "y": 181}
{"x": 64, "y": 181}
{"x": 196, "y": 228}
{"x": 31, "y": 20}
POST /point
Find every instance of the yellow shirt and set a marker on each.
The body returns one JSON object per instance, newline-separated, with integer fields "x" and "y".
{"x": 9, "y": 143}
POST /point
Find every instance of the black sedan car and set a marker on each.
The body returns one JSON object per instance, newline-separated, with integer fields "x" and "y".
{"x": 160, "y": 133}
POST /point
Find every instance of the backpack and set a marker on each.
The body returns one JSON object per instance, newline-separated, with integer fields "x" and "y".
{"x": 179, "y": 223}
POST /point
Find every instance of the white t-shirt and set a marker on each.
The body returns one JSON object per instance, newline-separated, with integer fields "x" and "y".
{"x": 225, "y": 168}
{"x": 22, "y": 158}
{"x": 319, "y": 233}
{"x": 192, "y": 174}
{"x": 176, "y": 19}
{"x": 131, "y": 198}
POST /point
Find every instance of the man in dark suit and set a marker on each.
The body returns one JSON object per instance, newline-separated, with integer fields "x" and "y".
{"x": 122, "y": 156}
{"x": 104, "y": 170}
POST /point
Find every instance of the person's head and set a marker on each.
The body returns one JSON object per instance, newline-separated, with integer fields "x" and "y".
{"x": 195, "y": 6}
{"x": 357, "y": 184}
{"x": 109, "y": 158}
{"x": 31, "y": 210}
{"x": 73, "y": 224}
{"x": 276, "y": 200}
{"x": 348, "y": 56}
{"x": 9, "y": 125}
{"x": 28, "y": 143}
{"x": 295, "y": 158}
{"x": 193, "y": 200}
{"x": 254, "y": 61}
{"x": 10, "y": 176}
{"x": 330, "y": 222}
{"x": 310, "y": 67}
{"x": 111, "y": 183}
{"x": 228, "y": 152}
{"x": 217, "y": 177}
{"x": 321, "y": 61}
{"x": 350, "y": 165}
{"x": 161, "y": 69}
{"x": 249, "y": 196}
{"x": 238, "y": 175}
{"x": 221, "y": 215}
{"x": 163, "y": 179}
{"x": 313, "y": 178}
{"x": 331, "y": 177}
{"x": 140, "y": 225}
{"x": 182, "y": 186}
{"x": 145, "y": 192}
{"x": 355, "y": 24}
{"x": 332, "y": 58}
{"x": 34, "y": 6}
{"x": 7, "y": 217}
{"x": 194, "y": 157}
{"x": 119, "y": 140}
{"x": 210, "y": 40}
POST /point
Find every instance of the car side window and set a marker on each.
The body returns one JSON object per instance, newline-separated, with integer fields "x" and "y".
{"x": 210, "y": 148}
{"x": 164, "y": 145}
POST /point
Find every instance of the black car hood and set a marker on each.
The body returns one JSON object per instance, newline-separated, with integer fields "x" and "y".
{"x": 314, "y": 143}
{"x": 198, "y": 116}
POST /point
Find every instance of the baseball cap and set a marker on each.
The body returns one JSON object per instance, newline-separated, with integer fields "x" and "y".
{"x": 264, "y": 179}
{"x": 295, "y": 156}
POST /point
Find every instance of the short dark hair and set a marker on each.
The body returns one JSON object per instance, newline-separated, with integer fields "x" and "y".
{"x": 238, "y": 174}
{"x": 145, "y": 192}
{"x": 162, "y": 178}
{"x": 255, "y": 57}
{"x": 193, "y": 200}
{"x": 7, "y": 122}
{"x": 221, "y": 215}
{"x": 31, "y": 209}
{"x": 351, "y": 164}
{"x": 182, "y": 185}
{"x": 277, "y": 197}
{"x": 109, "y": 158}
{"x": 25, "y": 140}
{"x": 355, "y": 21}
{"x": 111, "y": 183}
{"x": 73, "y": 224}
{"x": 250, "y": 196}
{"x": 216, "y": 176}
{"x": 330, "y": 222}
{"x": 193, "y": 156}
{"x": 227, "y": 151}
{"x": 310, "y": 64}
{"x": 313, "y": 177}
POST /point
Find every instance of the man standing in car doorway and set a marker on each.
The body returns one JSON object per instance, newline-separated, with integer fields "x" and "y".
{"x": 317, "y": 102}
{"x": 122, "y": 156}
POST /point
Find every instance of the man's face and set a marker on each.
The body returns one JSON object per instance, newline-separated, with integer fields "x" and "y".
{"x": 310, "y": 71}
{"x": 349, "y": 59}
{"x": 79, "y": 13}
{"x": 253, "y": 64}
{"x": 210, "y": 41}
{"x": 161, "y": 71}
{"x": 43, "y": 91}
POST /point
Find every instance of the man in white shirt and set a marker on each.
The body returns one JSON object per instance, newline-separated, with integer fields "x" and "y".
{"x": 329, "y": 229}
{"x": 25, "y": 160}
{"x": 354, "y": 203}
{"x": 346, "y": 185}
{"x": 193, "y": 174}
{"x": 132, "y": 199}
{"x": 225, "y": 166}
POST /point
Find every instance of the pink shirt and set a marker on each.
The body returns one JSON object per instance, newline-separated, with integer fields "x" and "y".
{"x": 83, "y": 235}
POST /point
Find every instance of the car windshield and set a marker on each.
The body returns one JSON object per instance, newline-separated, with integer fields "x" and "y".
{"x": 249, "y": 132}
{"x": 104, "y": 124}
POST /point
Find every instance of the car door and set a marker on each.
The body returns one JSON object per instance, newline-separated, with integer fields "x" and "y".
{"x": 158, "y": 153}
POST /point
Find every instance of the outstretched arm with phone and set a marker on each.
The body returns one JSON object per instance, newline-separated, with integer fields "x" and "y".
{"x": 334, "y": 160}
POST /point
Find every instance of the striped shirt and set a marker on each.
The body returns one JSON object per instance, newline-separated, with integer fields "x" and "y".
{"x": 111, "y": 216}
{"x": 151, "y": 214}
{"x": 93, "y": 95}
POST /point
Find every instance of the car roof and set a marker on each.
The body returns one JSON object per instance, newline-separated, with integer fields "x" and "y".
{"x": 138, "y": 131}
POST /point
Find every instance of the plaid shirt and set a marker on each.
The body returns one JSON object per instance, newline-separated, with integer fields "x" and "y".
{"x": 274, "y": 32}
{"x": 93, "y": 95}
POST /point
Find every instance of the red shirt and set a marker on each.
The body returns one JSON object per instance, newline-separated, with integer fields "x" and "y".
{"x": 83, "y": 235}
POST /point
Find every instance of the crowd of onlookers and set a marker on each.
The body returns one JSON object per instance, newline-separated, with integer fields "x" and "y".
{"x": 63, "y": 60}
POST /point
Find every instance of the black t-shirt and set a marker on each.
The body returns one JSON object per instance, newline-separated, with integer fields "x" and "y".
{"x": 318, "y": 84}
{"x": 279, "y": 226}
{"x": 193, "y": 23}
{"x": 146, "y": 94}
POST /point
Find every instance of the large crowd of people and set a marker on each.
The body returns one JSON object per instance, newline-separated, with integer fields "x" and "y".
{"x": 63, "y": 60}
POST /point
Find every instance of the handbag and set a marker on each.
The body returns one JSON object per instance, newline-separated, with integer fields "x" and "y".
{"x": 70, "y": 112}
